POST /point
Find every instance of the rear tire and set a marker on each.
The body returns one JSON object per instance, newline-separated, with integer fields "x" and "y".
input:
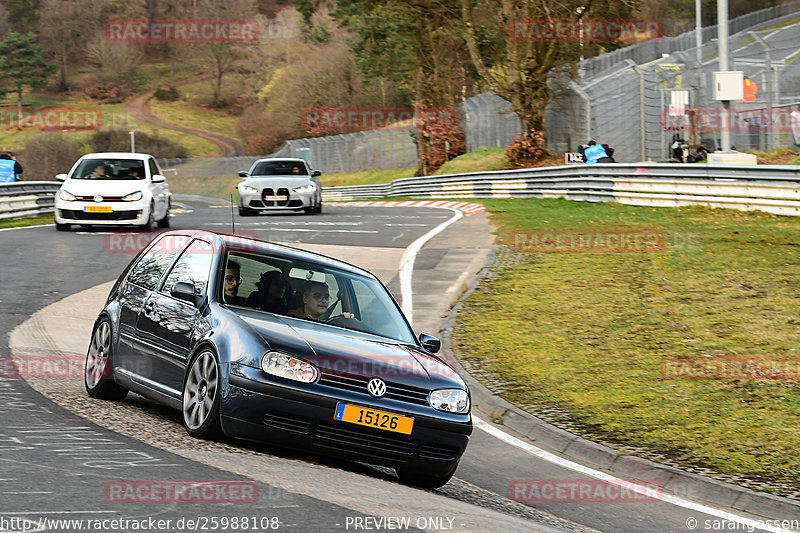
{"x": 99, "y": 367}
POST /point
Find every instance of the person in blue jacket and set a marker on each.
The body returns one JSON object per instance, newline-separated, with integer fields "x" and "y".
{"x": 593, "y": 152}
{"x": 10, "y": 169}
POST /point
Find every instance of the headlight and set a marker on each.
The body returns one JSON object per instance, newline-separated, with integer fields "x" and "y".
{"x": 286, "y": 366}
{"x": 450, "y": 400}
{"x": 248, "y": 189}
{"x": 132, "y": 197}
{"x": 305, "y": 189}
{"x": 66, "y": 196}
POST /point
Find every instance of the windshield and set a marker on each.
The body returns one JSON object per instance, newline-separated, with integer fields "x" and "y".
{"x": 312, "y": 292}
{"x": 110, "y": 169}
{"x": 279, "y": 168}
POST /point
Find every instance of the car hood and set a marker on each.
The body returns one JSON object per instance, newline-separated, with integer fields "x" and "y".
{"x": 104, "y": 187}
{"x": 276, "y": 182}
{"x": 340, "y": 351}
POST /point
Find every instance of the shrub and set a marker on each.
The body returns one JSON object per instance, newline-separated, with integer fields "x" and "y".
{"x": 48, "y": 154}
{"x": 525, "y": 152}
{"x": 116, "y": 140}
{"x": 438, "y": 142}
{"x": 262, "y": 134}
{"x": 168, "y": 94}
{"x": 105, "y": 92}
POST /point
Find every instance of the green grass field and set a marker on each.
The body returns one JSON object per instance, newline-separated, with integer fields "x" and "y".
{"x": 21, "y": 222}
{"x": 189, "y": 116}
{"x": 586, "y": 338}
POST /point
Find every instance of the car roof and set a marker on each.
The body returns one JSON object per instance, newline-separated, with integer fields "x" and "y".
{"x": 288, "y": 159}
{"x": 248, "y": 244}
{"x": 117, "y": 155}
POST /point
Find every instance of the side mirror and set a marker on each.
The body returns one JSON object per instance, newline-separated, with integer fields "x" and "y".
{"x": 61, "y": 177}
{"x": 183, "y": 290}
{"x": 242, "y": 173}
{"x": 158, "y": 178}
{"x": 429, "y": 342}
{"x": 315, "y": 173}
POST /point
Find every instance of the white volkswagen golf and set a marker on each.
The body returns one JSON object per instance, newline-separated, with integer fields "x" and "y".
{"x": 113, "y": 188}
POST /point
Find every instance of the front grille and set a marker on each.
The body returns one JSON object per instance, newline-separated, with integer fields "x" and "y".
{"x": 105, "y": 199}
{"x": 287, "y": 423}
{"x": 436, "y": 451}
{"x": 394, "y": 391}
{"x": 283, "y": 191}
{"x": 74, "y": 214}
{"x": 364, "y": 441}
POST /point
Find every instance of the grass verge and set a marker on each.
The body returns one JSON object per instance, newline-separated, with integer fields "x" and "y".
{"x": 584, "y": 339}
{"x": 188, "y": 116}
{"x": 484, "y": 159}
{"x": 21, "y": 222}
{"x": 218, "y": 187}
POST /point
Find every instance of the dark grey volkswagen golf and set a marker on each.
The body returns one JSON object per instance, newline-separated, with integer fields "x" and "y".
{"x": 270, "y": 343}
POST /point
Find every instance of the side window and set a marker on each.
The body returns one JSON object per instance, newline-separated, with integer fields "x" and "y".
{"x": 152, "y": 266}
{"x": 153, "y": 167}
{"x": 192, "y": 267}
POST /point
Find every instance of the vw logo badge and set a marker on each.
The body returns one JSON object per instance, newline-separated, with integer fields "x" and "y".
{"x": 376, "y": 387}
{"x": 98, "y": 198}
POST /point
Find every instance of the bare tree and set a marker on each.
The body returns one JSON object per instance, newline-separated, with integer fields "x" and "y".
{"x": 223, "y": 56}
{"x": 516, "y": 69}
{"x": 63, "y": 34}
{"x": 114, "y": 62}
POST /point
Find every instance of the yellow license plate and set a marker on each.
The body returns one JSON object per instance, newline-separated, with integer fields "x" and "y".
{"x": 97, "y": 209}
{"x": 372, "y": 418}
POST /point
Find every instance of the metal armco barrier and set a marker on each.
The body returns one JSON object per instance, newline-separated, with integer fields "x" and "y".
{"x": 27, "y": 198}
{"x": 771, "y": 188}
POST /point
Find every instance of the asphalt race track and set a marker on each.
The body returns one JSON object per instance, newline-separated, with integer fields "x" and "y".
{"x": 68, "y": 457}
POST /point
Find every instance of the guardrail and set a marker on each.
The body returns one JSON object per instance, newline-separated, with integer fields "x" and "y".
{"x": 27, "y": 198}
{"x": 771, "y": 188}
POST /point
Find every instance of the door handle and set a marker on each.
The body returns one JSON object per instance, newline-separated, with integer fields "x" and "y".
{"x": 149, "y": 306}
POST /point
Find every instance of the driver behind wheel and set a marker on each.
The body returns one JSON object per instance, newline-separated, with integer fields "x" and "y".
{"x": 316, "y": 296}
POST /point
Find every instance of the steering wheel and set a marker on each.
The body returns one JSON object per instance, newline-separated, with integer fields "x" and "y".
{"x": 342, "y": 320}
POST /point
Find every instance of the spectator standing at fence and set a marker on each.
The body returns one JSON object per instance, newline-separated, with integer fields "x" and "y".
{"x": 794, "y": 124}
{"x": 10, "y": 169}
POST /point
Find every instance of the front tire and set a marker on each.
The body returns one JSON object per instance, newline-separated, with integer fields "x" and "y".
{"x": 99, "y": 368}
{"x": 62, "y": 227}
{"x": 422, "y": 480}
{"x": 150, "y": 222}
{"x": 244, "y": 212}
{"x": 201, "y": 397}
{"x": 164, "y": 222}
